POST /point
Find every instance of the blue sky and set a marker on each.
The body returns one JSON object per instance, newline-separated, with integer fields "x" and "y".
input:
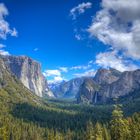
{"x": 69, "y": 39}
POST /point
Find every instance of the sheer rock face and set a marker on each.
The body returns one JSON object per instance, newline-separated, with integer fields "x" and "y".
{"x": 128, "y": 82}
{"x": 67, "y": 89}
{"x": 88, "y": 91}
{"x": 111, "y": 84}
{"x": 29, "y": 73}
{"x": 104, "y": 76}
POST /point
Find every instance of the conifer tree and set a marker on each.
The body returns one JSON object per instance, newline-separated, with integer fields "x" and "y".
{"x": 90, "y": 131}
{"x": 98, "y": 132}
{"x": 119, "y": 126}
{"x": 106, "y": 134}
{"x": 68, "y": 135}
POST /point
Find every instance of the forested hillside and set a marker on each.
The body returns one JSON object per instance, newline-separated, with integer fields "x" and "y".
{"x": 25, "y": 116}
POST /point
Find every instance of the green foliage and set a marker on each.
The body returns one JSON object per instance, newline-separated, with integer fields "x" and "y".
{"x": 90, "y": 134}
{"x": 24, "y": 116}
{"x": 119, "y": 126}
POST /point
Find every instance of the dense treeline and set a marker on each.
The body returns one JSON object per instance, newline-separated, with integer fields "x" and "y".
{"x": 24, "y": 116}
{"x": 29, "y": 126}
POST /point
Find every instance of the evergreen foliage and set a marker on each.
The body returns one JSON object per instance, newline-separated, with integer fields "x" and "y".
{"x": 24, "y": 116}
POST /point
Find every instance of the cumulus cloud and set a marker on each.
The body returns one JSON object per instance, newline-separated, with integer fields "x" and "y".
{"x": 78, "y": 37}
{"x": 5, "y": 29}
{"x": 2, "y": 46}
{"x": 3, "y": 52}
{"x": 36, "y": 49}
{"x": 63, "y": 69}
{"x": 118, "y": 24}
{"x": 81, "y": 67}
{"x": 89, "y": 73}
{"x": 56, "y": 79}
{"x": 52, "y": 73}
{"x": 111, "y": 59}
{"x": 80, "y": 9}
{"x": 4, "y": 25}
{"x": 55, "y": 75}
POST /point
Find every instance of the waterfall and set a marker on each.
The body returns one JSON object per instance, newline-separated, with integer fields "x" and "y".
{"x": 95, "y": 97}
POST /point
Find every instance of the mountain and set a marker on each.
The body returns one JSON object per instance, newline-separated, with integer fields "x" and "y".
{"x": 128, "y": 82}
{"x": 67, "y": 89}
{"x": 109, "y": 84}
{"x": 12, "y": 90}
{"x": 28, "y": 71}
{"x": 71, "y": 89}
{"x": 25, "y": 116}
{"x": 105, "y": 76}
{"x": 88, "y": 91}
{"x": 54, "y": 85}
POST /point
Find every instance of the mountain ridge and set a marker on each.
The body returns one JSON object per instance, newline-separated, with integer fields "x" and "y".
{"x": 124, "y": 84}
{"x": 106, "y": 85}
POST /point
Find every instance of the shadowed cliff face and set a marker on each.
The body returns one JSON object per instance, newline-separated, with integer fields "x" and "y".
{"x": 128, "y": 82}
{"x": 111, "y": 84}
{"x": 88, "y": 91}
{"x": 29, "y": 73}
{"x": 104, "y": 76}
{"x": 67, "y": 89}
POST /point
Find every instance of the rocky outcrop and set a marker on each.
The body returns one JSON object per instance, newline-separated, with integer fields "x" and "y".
{"x": 67, "y": 89}
{"x": 128, "y": 82}
{"x": 111, "y": 84}
{"x": 28, "y": 71}
{"x": 88, "y": 91}
{"x": 106, "y": 76}
{"x": 74, "y": 87}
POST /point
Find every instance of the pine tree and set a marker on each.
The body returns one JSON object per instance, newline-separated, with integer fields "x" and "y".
{"x": 58, "y": 136}
{"x": 90, "y": 131}
{"x": 135, "y": 127}
{"x": 68, "y": 135}
{"x": 119, "y": 126}
{"x": 98, "y": 132}
{"x": 106, "y": 134}
{"x": 4, "y": 133}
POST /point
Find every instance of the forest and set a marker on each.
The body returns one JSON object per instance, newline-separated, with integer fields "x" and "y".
{"x": 65, "y": 120}
{"x": 24, "y": 116}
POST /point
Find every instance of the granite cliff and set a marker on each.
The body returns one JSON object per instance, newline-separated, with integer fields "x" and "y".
{"x": 28, "y": 71}
{"x": 109, "y": 84}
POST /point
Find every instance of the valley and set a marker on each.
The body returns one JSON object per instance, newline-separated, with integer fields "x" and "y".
{"x": 26, "y": 116}
{"x": 70, "y": 70}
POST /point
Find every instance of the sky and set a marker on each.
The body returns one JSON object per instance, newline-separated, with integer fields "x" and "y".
{"x": 72, "y": 38}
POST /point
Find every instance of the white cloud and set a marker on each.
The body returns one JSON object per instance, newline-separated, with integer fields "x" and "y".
{"x": 81, "y": 67}
{"x": 78, "y": 37}
{"x": 55, "y": 76}
{"x": 118, "y": 24}
{"x": 111, "y": 59}
{"x": 2, "y": 46}
{"x": 52, "y": 73}
{"x": 80, "y": 9}
{"x": 90, "y": 62}
{"x": 36, "y": 49}
{"x": 5, "y": 29}
{"x": 89, "y": 73}
{"x": 4, "y": 25}
{"x": 14, "y": 32}
{"x": 56, "y": 79}
{"x": 3, "y": 52}
{"x": 63, "y": 69}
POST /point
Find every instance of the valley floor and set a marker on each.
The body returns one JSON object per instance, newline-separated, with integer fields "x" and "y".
{"x": 65, "y": 120}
